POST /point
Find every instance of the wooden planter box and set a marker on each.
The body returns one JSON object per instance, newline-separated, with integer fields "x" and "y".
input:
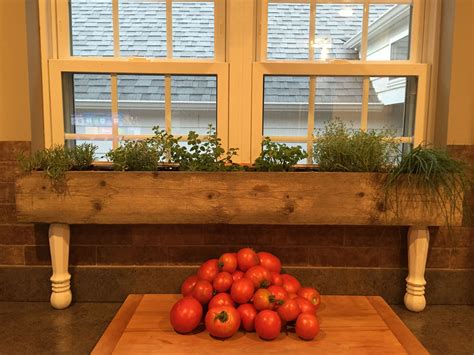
{"x": 97, "y": 197}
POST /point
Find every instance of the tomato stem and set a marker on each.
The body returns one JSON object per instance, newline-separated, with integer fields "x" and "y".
{"x": 222, "y": 316}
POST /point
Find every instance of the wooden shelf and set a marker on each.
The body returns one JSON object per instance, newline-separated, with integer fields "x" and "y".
{"x": 349, "y": 324}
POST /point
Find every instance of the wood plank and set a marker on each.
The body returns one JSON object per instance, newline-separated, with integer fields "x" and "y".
{"x": 233, "y": 198}
{"x": 349, "y": 324}
{"x": 114, "y": 331}
{"x": 401, "y": 331}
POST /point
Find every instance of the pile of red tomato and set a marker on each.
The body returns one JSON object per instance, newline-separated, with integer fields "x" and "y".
{"x": 246, "y": 290}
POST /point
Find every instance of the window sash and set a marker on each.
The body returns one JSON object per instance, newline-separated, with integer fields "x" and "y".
{"x": 122, "y": 66}
{"x": 366, "y": 70}
{"x": 415, "y": 31}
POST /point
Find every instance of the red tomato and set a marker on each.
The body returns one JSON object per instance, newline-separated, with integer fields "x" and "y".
{"x": 305, "y": 305}
{"x": 208, "y": 270}
{"x": 292, "y": 295}
{"x": 290, "y": 283}
{"x": 262, "y": 299}
{"x": 185, "y": 315}
{"x": 279, "y": 295}
{"x": 307, "y": 326}
{"x": 228, "y": 262}
{"x": 247, "y": 316}
{"x": 237, "y": 275}
{"x": 260, "y": 276}
{"x": 222, "y": 322}
{"x": 267, "y": 324}
{"x": 242, "y": 290}
{"x": 246, "y": 258}
{"x": 188, "y": 285}
{"x": 277, "y": 280}
{"x": 202, "y": 291}
{"x": 221, "y": 299}
{"x": 269, "y": 261}
{"x": 289, "y": 310}
{"x": 222, "y": 281}
{"x": 311, "y": 294}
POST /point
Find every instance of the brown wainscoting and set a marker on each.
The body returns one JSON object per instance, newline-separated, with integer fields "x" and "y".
{"x": 113, "y": 284}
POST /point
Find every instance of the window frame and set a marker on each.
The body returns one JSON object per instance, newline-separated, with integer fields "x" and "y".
{"x": 57, "y": 59}
{"x": 312, "y": 68}
{"x": 238, "y": 66}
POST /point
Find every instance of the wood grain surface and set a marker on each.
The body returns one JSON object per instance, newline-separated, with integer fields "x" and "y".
{"x": 349, "y": 325}
{"x": 228, "y": 198}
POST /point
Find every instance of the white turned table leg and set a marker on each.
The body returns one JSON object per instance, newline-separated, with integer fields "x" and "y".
{"x": 60, "y": 281}
{"x": 418, "y": 241}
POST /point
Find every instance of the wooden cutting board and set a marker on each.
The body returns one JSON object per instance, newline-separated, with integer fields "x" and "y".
{"x": 349, "y": 324}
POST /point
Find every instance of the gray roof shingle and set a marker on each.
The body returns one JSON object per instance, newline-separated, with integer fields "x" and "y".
{"x": 143, "y": 33}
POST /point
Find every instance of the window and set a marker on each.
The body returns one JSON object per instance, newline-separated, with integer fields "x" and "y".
{"x": 114, "y": 69}
{"x": 328, "y": 76}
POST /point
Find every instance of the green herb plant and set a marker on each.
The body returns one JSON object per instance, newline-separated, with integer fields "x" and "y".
{"x": 206, "y": 154}
{"x": 338, "y": 148}
{"x": 147, "y": 155}
{"x": 58, "y": 159}
{"x": 278, "y": 156}
{"x": 431, "y": 174}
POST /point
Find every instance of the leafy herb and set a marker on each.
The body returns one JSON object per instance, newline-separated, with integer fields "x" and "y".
{"x": 148, "y": 154}
{"x": 207, "y": 154}
{"x": 278, "y": 156}
{"x": 338, "y": 148}
{"x": 429, "y": 172}
{"x": 55, "y": 161}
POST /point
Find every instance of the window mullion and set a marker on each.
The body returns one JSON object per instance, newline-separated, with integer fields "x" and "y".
{"x": 219, "y": 30}
{"x": 365, "y": 104}
{"x": 169, "y": 29}
{"x": 114, "y": 108}
{"x": 311, "y": 107}
{"x": 365, "y": 31}
{"x": 263, "y": 30}
{"x": 116, "y": 27}
{"x": 168, "y": 103}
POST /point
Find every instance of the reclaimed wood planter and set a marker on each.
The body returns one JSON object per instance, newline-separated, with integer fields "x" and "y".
{"x": 309, "y": 198}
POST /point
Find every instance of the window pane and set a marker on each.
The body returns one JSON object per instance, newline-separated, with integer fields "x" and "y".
{"x": 389, "y": 32}
{"x": 285, "y": 102}
{"x": 103, "y": 147}
{"x": 338, "y": 97}
{"x": 193, "y": 29}
{"x": 193, "y": 103}
{"x": 141, "y": 103}
{"x": 91, "y": 28}
{"x": 142, "y": 28}
{"x": 288, "y": 31}
{"x": 390, "y": 107}
{"x": 336, "y": 25}
{"x": 89, "y": 109}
